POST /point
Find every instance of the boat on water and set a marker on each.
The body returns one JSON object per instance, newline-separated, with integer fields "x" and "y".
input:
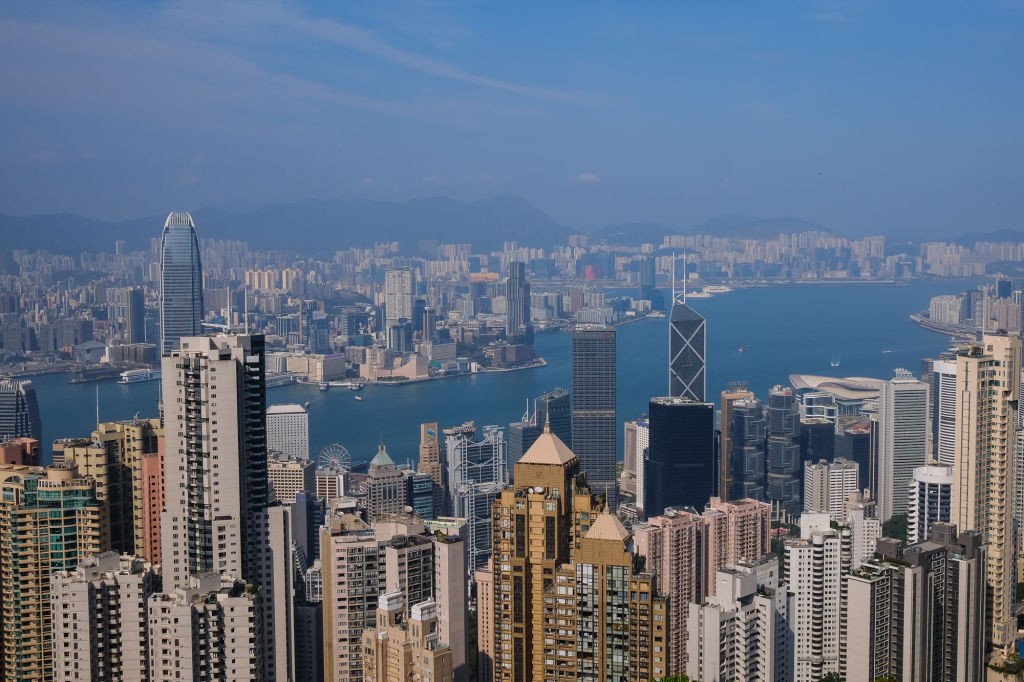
{"x": 656, "y": 314}
{"x": 133, "y": 376}
{"x": 323, "y": 386}
{"x": 358, "y": 397}
{"x": 835, "y": 361}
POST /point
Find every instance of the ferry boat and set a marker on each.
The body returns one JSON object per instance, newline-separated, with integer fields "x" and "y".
{"x": 657, "y": 314}
{"x": 132, "y": 376}
{"x": 358, "y": 397}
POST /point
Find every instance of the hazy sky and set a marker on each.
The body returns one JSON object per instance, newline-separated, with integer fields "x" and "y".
{"x": 868, "y": 117}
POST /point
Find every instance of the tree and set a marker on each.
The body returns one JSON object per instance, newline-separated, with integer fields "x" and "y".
{"x": 896, "y": 527}
{"x": 833, "y": 677}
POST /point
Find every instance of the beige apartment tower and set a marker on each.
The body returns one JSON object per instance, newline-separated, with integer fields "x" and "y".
{"x": 566, "y": 602}
{"x": 54, "y": 516}
{"x": 408, "y": 649}
{"x": 987, "y": 389}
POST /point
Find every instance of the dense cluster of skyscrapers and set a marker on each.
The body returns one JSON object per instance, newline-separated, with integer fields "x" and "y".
{"x": 743, "y": 544}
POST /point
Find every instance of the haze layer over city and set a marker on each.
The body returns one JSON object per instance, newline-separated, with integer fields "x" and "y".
{"x": 448, "y": 341}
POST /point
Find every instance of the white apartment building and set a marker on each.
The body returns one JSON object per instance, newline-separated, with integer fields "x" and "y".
{"x": 827, "y": 485}
{"x": 742, "y": 632}
{"x": 817, "y": 566}
{"x": 288, "y": 430}
{"x": 99, "y": 614}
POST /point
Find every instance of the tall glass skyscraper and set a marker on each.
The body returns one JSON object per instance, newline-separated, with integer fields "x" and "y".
{"x": 679, "y": 470}
{"x": 517, "y": 298}
{"x": 181, "y": 282}
{"x": 593, "y": 404}
{"x": 19, "y": 410}
{"x": 686, "y": 353}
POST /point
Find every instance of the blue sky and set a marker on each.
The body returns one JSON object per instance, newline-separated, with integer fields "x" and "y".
{"x": 901, "y": 118}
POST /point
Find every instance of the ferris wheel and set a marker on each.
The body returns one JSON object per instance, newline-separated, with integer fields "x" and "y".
{"x": 335, "y": 457}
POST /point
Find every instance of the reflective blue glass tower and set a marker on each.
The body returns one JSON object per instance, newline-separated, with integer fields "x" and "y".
{"x": 181, "y": 282}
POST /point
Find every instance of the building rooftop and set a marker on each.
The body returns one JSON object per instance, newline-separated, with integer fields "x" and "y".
{"x": 289, "y": 408}
{"x": 607, "y": 527}
{"x": 382, "y": 459}
{"x": 548, "y": 449}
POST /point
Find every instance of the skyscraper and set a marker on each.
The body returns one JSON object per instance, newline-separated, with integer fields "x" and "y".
{"x": 902, "y": 440}
{"x": 399, "y": 288}
{"x": 746, "y": 441}
{"x": 687, "y": 352}
{"x": 517, "y": 298}
{"x": 917, "y": 613}
{"x": 477, "y": 473}
{"x": 568, "y": 606}
{"x": 817, "y": 567}
{"x": 988, "y": 386}
{"x": 593, "y": 404}
{"x": 385, "y": 486}
{"x": 735, "y": 392}
{"x": 19, "y": 410}
{"x": 783, "y": 451}
{"x": 679, "y": 470}
{"x": 181, "y": 282}
{"x": 216, "y": 517}
{"x": 50, "y": 521}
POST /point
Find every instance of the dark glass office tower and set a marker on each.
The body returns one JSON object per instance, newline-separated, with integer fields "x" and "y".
{"x": 686, "y": 353}
{"x": 747, "y": 442}
{"x": 136, "y": 322}
{"x": 517, "y": 300}
{"x": 19, "y": 410}
{"x": 181, "y": 282}
{"x": 785, "y": 485}
{"x": 553, "y": 406}
{"x": 593, "y": 404}
{"x": 679, "y": 470}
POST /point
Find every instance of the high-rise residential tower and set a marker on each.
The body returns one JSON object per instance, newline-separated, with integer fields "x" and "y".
{"x": 19, "y": 410}
{"x": 940, "y": 375}
{"x": 49, "y": 521}
{"x": 917, "y": 612}
{"x": 930, "y": 500}
{"x": 902, "y": 440}
{"x": 181, "y": 281}
{"x": 217, "y": 518}
{"x": 988, "y": 386}
{"x": 679, "y": 470}
{"x": 827, "y": 486}
{"x": 593, "y": 405}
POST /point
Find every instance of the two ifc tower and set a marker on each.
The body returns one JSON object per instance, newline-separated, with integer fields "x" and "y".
{"x": 679, "y": 467}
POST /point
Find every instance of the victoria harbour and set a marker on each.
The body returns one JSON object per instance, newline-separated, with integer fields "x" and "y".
{"x": 756, "y": 335}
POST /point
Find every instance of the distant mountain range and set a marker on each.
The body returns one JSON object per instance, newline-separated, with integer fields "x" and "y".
{"x": 324, "y": 226}
{"x": 319, "y": 227}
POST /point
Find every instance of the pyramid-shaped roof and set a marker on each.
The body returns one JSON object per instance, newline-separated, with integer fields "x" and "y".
{"x": 548, "y": 449}
{"x": 382, "y": 459}
{"x": 607, "y": 527}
